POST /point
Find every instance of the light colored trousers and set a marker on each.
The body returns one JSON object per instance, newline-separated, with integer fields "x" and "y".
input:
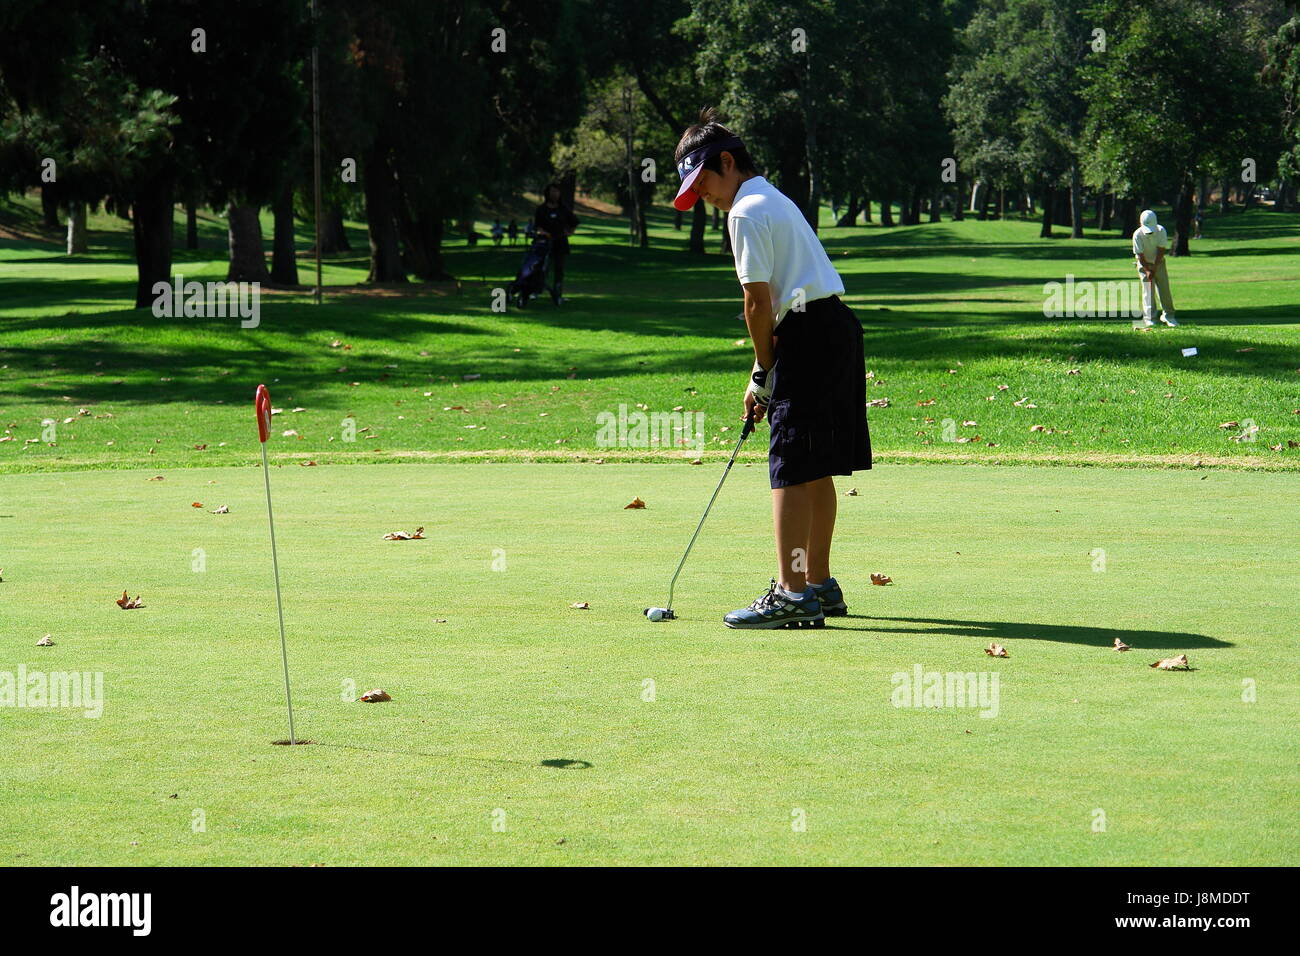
{"x": 1162, "y": 283}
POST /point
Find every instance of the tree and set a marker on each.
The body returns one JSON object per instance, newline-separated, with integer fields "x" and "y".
{"x": 1159, "y": 106}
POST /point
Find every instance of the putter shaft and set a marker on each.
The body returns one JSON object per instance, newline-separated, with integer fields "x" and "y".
{"x": 744, "y": 433}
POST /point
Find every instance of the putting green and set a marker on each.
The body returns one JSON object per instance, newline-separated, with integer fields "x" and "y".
{"x": 747, "y": 748}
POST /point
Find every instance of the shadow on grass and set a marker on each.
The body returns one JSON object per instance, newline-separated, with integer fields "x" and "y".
{"x": 1017, "y": 631}
{"x": 555, "y": 763}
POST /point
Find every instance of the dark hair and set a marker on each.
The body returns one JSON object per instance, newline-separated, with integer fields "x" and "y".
{"x": 709, "y": 130}
{"x": 546, "y": 193}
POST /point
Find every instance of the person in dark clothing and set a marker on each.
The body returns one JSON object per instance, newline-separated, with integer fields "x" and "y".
{"x": 513, "y": 231}
{"x": 557, "y": 222}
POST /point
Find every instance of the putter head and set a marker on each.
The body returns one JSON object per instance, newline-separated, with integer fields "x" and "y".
{"x": 659, "y": 613}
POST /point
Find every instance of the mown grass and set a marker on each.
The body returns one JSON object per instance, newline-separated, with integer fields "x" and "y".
{"x": 596, "y": 737}
{"x": 952, "y": 311}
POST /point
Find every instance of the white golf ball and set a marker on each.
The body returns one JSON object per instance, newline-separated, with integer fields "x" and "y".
{"x": 655, "y": 614}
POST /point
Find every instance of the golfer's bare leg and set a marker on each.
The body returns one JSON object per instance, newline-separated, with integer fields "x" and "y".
{"x": 804, "y": 518}
{"x": 821, "y": 529}
{"x": 792, "y": 517}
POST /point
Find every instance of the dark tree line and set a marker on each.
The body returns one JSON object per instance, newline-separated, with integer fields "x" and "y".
{"x": 1075, "y": 110}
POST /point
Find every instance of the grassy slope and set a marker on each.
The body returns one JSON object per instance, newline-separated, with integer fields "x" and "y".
{"x": 744, "y": 729}
{"x": 656, "y": 328}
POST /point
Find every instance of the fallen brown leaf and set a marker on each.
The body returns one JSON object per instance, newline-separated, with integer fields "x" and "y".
{"x": 415, "y": 535}
{"x": 634, "y": 503}
{"x": 45, "y": 641}
{"x": 580, "y": 606}
{"x": 129, "y": 604}
{"x": 222, "y": 510}
{"x": 1178, "y": 663}
{"x": 881, "y": 579}
{"x": 851, "y": 493}
{"x": 376, "y": 696}
{"x": 996, "y": 650}
{"x": 196, "y": 504}
{"x": 1121, "y": 646}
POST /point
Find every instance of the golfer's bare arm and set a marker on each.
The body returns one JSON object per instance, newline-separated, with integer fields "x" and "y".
{"x": 758, "y": 319}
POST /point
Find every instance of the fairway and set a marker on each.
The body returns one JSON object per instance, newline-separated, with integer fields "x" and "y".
{"x": 524, "y": 731}
{"x": 955, "y": 334}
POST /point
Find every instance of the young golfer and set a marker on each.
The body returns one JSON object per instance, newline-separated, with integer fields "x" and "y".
{"x": 808, "y": 373}
{"x": 1150, "y": 246}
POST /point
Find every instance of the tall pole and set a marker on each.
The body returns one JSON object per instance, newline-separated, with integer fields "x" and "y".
{"x": 315, "y": 135}
{"x": 262, "y": 403}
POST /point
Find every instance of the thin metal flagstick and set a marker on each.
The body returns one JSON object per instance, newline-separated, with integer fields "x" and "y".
{"x": 262, "y": 403}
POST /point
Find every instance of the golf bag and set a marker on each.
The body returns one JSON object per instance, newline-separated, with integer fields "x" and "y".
{"x": 531, "y": 280}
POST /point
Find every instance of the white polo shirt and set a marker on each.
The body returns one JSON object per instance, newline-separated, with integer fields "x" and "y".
{"x": 1145, "y": 244}
{"x": 773, "y": 243}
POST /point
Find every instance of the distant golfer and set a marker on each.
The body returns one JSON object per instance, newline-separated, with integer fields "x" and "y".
{"x": 1150, "y": 246}
{"x": 556, "y": 221}
{"x": 808, "y": 369}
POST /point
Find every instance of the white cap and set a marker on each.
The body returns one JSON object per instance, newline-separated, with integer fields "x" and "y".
{"x": 1148, "y": 220}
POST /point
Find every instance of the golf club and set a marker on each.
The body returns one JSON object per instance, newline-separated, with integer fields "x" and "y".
{"x": 262, "y": 404}
{"x": 666, "y": 613}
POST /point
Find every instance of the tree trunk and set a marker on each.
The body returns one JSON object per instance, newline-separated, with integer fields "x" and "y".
{"x": 247, "y": 259}
{"x": 1049, "y": 207}
{"x": 1076, "y": 203}
{"x": 850, "y": 217}
{"x": 645, "y": 196}
{"x": 381, "y": 209}
{"x": 76, "y": 227}
{"x": 866, "y": 208}
{"x": 979, "y": 200}
{"x": 1183, "y": 216}
{"x": 918, "y": 197}
{"x": 1127, "y": 220}
{"x": 1202, "y": 193}
{"x": 50, "y": 206}
{"x": 717, "y": 217}
{"x": 284, "y": 264}
{"x": 1063, "y": 210}
{"x": 1225, "y": 203}
{"x": 699, "y": 223}
{"x": 726, "y": 236}
{"x": 422, "y": 242}
{"x": 333, "y": 235}
{"x": 677, "y": 220}
{"x": 151, "y": 227}
{"x": 934, "y": 207}
{"x": 886, "y": 208}
{"x": 191, "y": 224}
{"x": 958, "y": 205}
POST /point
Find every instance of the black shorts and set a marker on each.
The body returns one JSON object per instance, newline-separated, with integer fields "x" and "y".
{"x": 818, "y": 411}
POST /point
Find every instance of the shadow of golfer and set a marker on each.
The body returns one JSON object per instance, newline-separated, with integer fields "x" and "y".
{"x": 1016, "y": 631}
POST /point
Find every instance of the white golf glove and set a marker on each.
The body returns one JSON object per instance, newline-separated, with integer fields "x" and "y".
{"x": 758, "y": 386}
